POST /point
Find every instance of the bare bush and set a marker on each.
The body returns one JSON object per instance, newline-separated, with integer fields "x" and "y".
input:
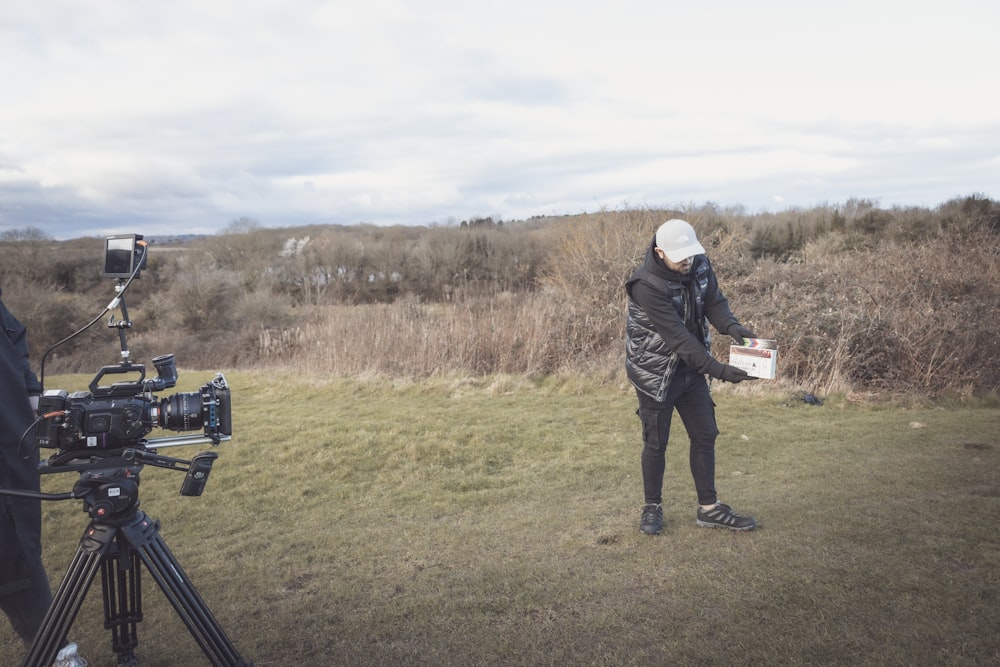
{"x": 902, "y": 317}
{"x": 860, "y": 298}
{"x": 590, "y": 260}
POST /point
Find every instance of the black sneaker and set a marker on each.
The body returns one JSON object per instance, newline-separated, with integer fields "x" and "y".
{"x": 723, "y": 516}
{"x": 651, "y": 522}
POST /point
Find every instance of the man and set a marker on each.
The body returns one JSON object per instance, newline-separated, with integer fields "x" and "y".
{"x": 672, "y": 298}
{"x": 25, "y": 594}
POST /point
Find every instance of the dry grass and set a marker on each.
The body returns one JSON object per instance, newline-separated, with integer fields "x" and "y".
{"x": 891, "y": 320}
{"x": 861, "y": 299}
{"x": 492, "y": 521}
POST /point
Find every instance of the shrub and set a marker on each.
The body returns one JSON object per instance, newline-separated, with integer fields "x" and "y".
{"x": 859, "y": 298}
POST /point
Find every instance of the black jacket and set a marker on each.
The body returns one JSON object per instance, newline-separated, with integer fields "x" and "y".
{"x": 20, "y": 518}
{"x": 668, "y": 317}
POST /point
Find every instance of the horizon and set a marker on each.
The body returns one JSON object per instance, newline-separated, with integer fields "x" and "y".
{"x": 172, "y": 237}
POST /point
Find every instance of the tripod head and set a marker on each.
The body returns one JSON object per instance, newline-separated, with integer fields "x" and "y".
{"x": 109, "y": 484}
{"x": 110, "y": 495}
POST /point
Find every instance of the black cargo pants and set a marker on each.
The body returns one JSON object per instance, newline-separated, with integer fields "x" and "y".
{"x": 689, "y": 395}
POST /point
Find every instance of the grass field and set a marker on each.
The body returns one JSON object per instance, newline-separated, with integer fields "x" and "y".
{"x": 494, "y": 522}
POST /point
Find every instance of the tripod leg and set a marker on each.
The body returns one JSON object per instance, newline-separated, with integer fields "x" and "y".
{"x": 143, "y": 534}
{"x": 68, "y": 598}
{"x": 122, "y": 604}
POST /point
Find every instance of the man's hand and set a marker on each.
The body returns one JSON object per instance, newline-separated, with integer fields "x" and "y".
{"x": 734, "y": 375}
{"x": 739, "y": 333}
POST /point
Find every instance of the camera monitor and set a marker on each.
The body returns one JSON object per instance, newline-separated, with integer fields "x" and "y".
{"x": 121, "y": 253}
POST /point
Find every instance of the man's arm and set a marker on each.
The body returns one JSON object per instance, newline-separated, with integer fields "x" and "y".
{"x": 668, "y": 323}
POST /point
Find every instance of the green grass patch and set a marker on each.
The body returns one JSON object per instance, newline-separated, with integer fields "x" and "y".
{"x": 495, "y": 522}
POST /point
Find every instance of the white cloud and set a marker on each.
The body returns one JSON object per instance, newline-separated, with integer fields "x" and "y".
{"x": 304, "y": 110}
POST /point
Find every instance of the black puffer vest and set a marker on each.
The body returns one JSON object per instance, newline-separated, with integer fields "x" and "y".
{"x": 649, "y": 362}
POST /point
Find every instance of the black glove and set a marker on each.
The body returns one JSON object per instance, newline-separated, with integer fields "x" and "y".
{"x": 738, "y": 333}
{"x": 733, "y": 374}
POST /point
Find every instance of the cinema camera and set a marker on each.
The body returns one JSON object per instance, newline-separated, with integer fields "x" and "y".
{"x": 110, "y": 420}
{"x": 101, "y": 434}
{"x": 122, "y": 414}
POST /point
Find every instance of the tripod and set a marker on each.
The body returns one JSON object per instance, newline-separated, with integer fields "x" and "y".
{"x": 118, "y": 541}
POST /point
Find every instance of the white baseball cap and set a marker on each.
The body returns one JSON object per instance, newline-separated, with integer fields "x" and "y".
{"x": 677, "y": 240}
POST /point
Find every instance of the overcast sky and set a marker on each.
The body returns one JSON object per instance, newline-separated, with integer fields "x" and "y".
{"x": 184, "y": 115}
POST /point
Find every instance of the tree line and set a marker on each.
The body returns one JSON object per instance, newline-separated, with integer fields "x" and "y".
{"x": 861, "y": 298}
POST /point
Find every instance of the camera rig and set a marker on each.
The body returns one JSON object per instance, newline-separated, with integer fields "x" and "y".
{"x": 101, "y": 434}
{"x": 114, "y": 420}
{"x": 115, "y": 417}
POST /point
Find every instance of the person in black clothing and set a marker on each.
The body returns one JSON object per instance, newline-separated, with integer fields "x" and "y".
{"x": 672, "y": 298}
{"x": 25, "y": 594}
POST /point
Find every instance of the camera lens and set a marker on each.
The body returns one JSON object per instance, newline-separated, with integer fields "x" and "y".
{"x": 182, "y": 412}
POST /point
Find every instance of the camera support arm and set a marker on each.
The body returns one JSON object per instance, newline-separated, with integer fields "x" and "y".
{"x": 158, "y": 460}
{"x": 127, "y": 463}
{"x": 21, "y": 493}
{"x": 197, "y": 468}
{"x": 124, "y": 323}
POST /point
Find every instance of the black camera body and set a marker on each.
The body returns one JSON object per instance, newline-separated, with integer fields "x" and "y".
{"x": 89, "y": 422}
{"x": 123, "y": 414}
